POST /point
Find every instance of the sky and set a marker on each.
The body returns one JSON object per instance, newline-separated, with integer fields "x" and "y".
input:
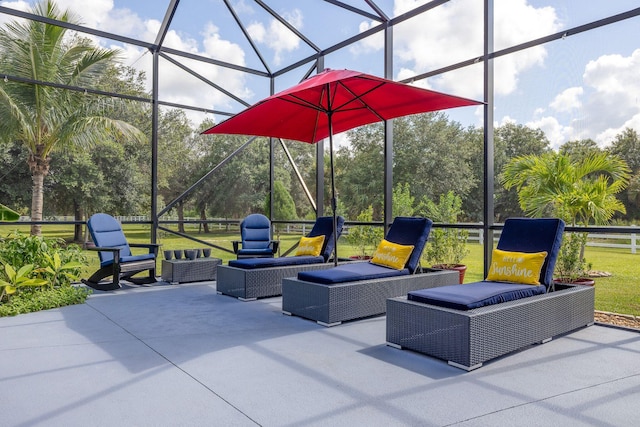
{"x": 584, "y": 86}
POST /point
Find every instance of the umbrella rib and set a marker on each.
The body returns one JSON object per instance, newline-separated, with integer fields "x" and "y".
{"x": 357, "y": 97}
{"x": 303, "y": 102}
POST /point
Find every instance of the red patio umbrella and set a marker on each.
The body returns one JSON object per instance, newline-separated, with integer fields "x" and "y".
{"x": 330, "y": 102}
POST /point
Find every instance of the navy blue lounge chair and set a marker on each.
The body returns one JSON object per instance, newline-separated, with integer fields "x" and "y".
{"x": 470, "y": 324}
{"x": 255, "y": 234}
{"x": 116, "y": 259}
{"x": 252, "y": 278}
{"x": 359, "y": 289}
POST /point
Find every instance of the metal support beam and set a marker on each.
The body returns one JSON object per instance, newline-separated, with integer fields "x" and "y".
{"x": 299, "y": 176}
{"x": 272, "y": 162}
{"x": 388, "y": 136}
{"x": 166, "y": 22}
{"x": 320, "y": 160}
{"x": 488, "y": 134}
{"x": 154, "y": 149}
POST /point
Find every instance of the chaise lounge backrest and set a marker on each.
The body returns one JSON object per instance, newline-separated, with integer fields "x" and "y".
{"x": 410, "y": 231}
{"x": 324, "y": 227}
{"x": 534, "y": 235}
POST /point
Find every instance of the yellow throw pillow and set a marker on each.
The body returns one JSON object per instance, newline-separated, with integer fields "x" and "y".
{"x": 310, "y": 246}
{"x": 392, "y": 255}
{"x": 516, "y": 267}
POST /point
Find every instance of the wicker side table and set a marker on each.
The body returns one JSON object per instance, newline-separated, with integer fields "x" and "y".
{"x": 186, "y": 270}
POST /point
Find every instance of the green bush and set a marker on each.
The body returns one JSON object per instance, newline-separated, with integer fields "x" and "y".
{"x": 36, "y": 274}
{"x": 446, "y": 246}
{"x": 365, "y": 237}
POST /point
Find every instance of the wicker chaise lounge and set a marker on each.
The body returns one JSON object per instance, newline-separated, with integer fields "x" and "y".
{"x": 470, "y": 324}
{"x": 359, "y": 289}
{"x": 253, "y": 278}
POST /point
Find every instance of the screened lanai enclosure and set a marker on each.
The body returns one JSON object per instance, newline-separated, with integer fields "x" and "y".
{"x": 550, "y": 75}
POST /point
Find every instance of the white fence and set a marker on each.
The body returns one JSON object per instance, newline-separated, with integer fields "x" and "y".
{"x": 611, "y": 240}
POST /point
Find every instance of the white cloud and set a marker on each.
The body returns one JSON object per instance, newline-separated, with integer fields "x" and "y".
{"x": 431, "y": 40}
{"x": 606, "y": 103}
{"x": 278, "y": 37}
{"x": 175, "y": 85}
{"x": 103, "y": 15}
{"x": 18, "y": 5}
{"x": 372, "y": 43}
{"x": 556, "y": 133}
{"x": 568, "y": 100}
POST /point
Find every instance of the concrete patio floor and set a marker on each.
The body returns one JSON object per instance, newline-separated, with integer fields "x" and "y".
{"x": 184, "y": 356}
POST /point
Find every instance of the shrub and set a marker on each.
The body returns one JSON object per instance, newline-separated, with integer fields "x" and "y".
{"x": 36, "y": 274}
{"x": 446, "y": 246}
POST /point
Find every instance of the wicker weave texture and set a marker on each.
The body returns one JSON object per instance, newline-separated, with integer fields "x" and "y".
{"x": 186, "y": 270}
{"x": 470, "y": 338}
{"x": 259, "y": 282}
{"x": 330, "y": 304}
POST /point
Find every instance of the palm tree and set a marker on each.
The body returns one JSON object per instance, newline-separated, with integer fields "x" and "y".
{"x": 581, "y": 191}
{"x": 42, "y": 117}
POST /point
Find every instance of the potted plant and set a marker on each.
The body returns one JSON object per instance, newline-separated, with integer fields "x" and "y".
{"x": 446, "y": 247}
{"x": 364, "y": 237}
{"x": 571, "y": 266}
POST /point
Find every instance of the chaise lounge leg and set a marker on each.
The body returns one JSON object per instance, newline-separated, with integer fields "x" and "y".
{"x": 466, "y": 368}
{"x": 328, "y": 325}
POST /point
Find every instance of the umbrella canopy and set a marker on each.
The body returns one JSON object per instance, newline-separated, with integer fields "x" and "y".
{"x": 340, "y": 99}
{"x": 331, "y": 102}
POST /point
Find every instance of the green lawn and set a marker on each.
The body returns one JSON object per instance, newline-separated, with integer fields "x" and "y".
{"x": 619, "y": 293}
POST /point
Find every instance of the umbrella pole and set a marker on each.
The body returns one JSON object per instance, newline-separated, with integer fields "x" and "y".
{"x": 333, "y": 193}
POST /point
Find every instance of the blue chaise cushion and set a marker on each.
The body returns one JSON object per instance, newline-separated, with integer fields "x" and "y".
{"x": 474, "y": 295}
{"x": 350, "y": 272}
{"x": 256, "y": 263}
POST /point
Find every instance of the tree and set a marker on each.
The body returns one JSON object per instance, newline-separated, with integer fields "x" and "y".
{"x": 45, "y": 118}
{"x": 15, "y": 177}
{"x": 283, "y": 207}
{"x": 432, "y": 155}
{"x": 580, "y": 192}
{"x": 359, "y": 172}
{"x": 402, "y": 201}
{"x": 579, "y": 149}
{"x": 511, "y": 141}
{"x": 627, "y": 146}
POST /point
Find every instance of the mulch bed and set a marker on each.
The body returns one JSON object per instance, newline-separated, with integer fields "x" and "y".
{"x": 624, "y": 320}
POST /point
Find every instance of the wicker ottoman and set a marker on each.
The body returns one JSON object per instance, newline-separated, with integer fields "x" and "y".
{"x": 250, "y": 284}
{"x": 186, "y": 270}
